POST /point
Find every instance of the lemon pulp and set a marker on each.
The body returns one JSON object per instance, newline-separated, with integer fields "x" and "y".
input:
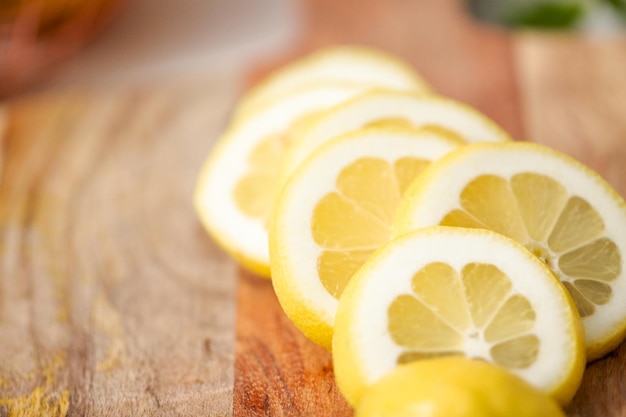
{"x": 355, "y": 219}
{"x": 564, "y": 230}
{"x": 472, "y": 312}
{"x": 256, "y": 191}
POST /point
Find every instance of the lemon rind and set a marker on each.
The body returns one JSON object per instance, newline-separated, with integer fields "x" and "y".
{"x": 316, "y": 133}
{"x": 275, "y": 84}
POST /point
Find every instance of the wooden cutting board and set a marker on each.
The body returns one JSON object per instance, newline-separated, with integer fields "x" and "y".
{"x": 113, "y": 301}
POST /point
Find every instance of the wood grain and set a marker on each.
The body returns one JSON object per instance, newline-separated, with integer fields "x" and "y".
{"x": 112, "y": 299}
{"x": 279, "y": 372}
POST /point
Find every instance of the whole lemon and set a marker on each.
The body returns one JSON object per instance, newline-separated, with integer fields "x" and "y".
{"x": 454, "y": 387}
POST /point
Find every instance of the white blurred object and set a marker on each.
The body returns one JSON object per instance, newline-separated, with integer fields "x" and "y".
{"x": 162, "y": 39}
{"x": 602, "y": 20}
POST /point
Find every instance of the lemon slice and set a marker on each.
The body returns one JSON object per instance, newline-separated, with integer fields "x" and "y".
{"x": 357, "y": 65}
{"x": 455, "y": 387}
{"x": 375, "y": 107}
{"x": 336, "y": 210}
{"x": 446, "y": 291}
{"x": 559, "y": 209}
{"x": 237, "y": 185}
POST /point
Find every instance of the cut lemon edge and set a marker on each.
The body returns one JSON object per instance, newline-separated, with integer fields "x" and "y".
{"x": 430, "y": 200}
{"x": 352, "y": 64}
{"x": 305, "y": 293}
{"x": 363, "y": 349}
{"x": 250, "y": 262}
{"x": 220, "y": 189}
{"x": 381, "y": 105}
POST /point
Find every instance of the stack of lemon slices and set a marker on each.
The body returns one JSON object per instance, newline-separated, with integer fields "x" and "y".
{"x": 239, "y": 181}
{"x": 410, "y": 235}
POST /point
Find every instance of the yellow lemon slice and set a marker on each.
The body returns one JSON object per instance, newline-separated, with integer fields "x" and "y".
{"x": 352, "y": 64}
{"x": 375, "y": 107}
{"x": 559, "y": 209}
{"x": 336, "y": 210}
{"x": 446, "y": 291}
{"x": 455, "y": 387}
{"x": 237, "y": 185}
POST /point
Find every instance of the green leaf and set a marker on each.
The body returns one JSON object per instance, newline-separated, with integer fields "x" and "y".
{"x": 619, "y": 6}
{"x": 547, "y": 15}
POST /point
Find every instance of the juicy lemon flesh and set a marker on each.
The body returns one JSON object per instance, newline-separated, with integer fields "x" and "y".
{"x": 472, "y": 312}
{"x": 454, "y": 387}
{"x": 348, "y": 224}
{"x": 255, "y": 192}
{"x": 563, "y": 230}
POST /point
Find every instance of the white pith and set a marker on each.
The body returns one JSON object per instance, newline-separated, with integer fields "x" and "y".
{"x": 370, "y": 107}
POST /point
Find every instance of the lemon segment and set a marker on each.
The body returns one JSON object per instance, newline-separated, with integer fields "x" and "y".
{"x": 560, "y": 210}
{"x": 336, "y": 210}
{"x": 238, "y": 183}
{"x": 441, "y": 292}
{"x": 343, "y": 64}
{"x": 379, "y": 107}
{"x": 454, "y": 387}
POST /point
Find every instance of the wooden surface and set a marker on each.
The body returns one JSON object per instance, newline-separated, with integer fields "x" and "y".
{"x": 573, "y": 93}
{"x": 278, "y": 371}
{"x": 113, "y": 301}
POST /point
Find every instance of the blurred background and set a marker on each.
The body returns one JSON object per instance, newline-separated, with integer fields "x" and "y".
{"x": 48, "y": 44}
{"x": 597, "y": 16}
{"x": 57, "y": 43}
